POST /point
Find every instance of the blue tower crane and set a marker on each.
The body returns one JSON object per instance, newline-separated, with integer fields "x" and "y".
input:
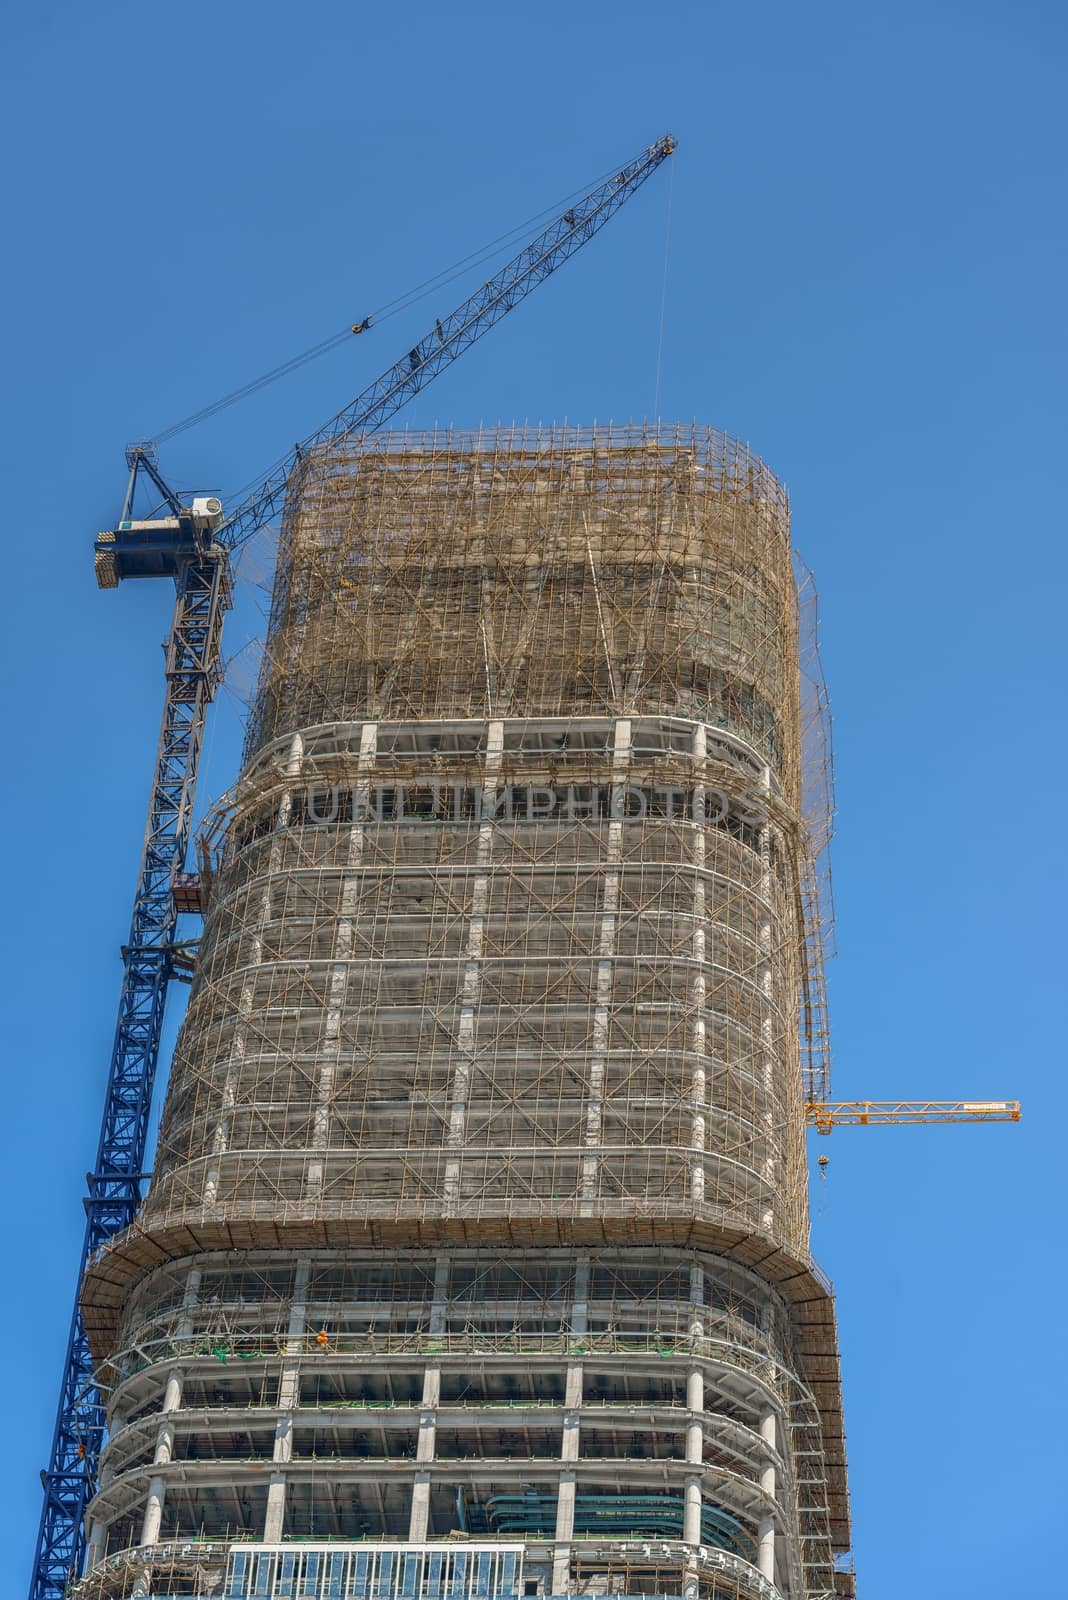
{"x": 193, "y": 545}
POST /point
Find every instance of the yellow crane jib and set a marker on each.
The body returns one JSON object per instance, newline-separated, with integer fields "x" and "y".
{"x": 823, "y": 1115}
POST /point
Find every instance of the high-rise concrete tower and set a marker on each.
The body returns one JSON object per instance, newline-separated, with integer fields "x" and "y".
{"x": 476, "y": 1259}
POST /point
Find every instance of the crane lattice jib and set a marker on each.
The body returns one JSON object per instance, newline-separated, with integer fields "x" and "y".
{"x": 198, "y": 563}
{"x": 115, "y": 1182}
{"x": 454, "y": 334}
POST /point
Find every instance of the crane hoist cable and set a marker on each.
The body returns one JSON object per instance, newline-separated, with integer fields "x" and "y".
{"x": 376, "y": 316}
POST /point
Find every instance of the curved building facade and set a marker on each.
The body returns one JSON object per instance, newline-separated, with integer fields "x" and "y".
{"x": 476, "y": 1255}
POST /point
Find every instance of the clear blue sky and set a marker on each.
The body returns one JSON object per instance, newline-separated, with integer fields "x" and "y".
{"x": 866, "y": 281}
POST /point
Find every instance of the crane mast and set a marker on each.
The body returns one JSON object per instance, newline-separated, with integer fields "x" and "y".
{"x": 192, "y": 545}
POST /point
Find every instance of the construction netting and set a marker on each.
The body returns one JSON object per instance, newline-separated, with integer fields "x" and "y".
{"x": 514, "y": 911}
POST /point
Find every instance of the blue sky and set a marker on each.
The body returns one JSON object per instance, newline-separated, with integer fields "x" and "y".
{"x": 866, "y": 270}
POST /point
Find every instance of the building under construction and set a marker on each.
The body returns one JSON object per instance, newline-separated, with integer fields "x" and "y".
{"x": 476, "y": 1258}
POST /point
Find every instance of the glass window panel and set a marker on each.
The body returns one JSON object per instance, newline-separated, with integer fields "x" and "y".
{"x": 285, "y": 1584}
{"x": 335, "y": 1578}
{"x": 237, "y": 1580}
{"x": 412, "y": 1567}
{"x": 384, "y": 1575}
{"x": 360, "y": 1571}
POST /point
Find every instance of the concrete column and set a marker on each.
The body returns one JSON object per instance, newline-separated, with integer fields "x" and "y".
{"x": 339, "y": 971}
{"x": 288, "y": 1401}
{"x": 419, "y": 1518}
{"x": 439, "y": 1305}
{"x": 691, "y": 1511}
{"x": 426, "y": 1449}
{"x": 767, "y": 1023}
{"x": 698, "y": 985}
{"x": 153, "y": 1511}
{"x": 565, "y": 1527}
{"x": 94, "y": 1554}
{"x": 578, "y": 1322}
{"x": 439, "y": 1317}
{"x": 695, "y": 1435}
{"x": 246, "y": 999}
{"x": 766, "y": 1548}
{"x": 606, "y": 950}
{"x": 697, "y": 1302}
{"x": 766, "y": 1528}
{"x": 432, "y": 1387}
{"x": 460, "y": 1087}
{"x": 163, "y": 1452}
{"x": 172, "y": 1400}
{"x": 695, "y": 1450}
